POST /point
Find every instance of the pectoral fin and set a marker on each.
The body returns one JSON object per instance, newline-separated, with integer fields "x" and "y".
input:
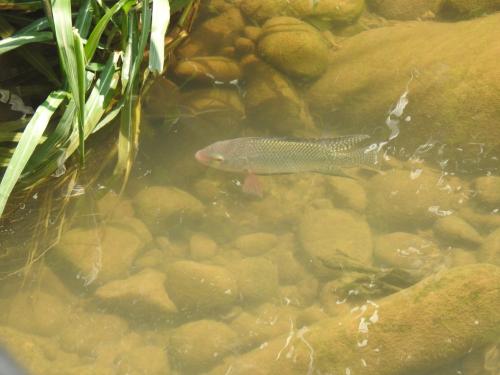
{"x": 252, "y": 185}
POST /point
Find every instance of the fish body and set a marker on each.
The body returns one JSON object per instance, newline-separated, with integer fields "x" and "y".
{"x": 261, "y": 155}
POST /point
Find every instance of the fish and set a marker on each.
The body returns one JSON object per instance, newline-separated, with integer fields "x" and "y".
{"x": 278, "y": 155}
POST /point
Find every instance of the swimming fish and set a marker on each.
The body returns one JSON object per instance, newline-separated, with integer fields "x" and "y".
{"x": 261, "y": 155}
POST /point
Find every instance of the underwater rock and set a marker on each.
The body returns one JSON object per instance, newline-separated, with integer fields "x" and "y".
{"x": 290, "y": 270}
{"x": 84, "y": 256}
{"x": 490, "y": 251}
{"x": 36, "y": 312}
{"x": 198, "y": 345}
{"x": 244, "y": 46}
{"x": 405, "y": 9}
{"x": 150, "y": 259}
{"x": 406, "y": 250}
{"x": 301, "y": 295}
{"x": 421, "y": 328}
{"x": 456, "y": 230}
{"x": 80, "y": 335}
{"x": 484, "y": 221}
{"x": 399, "y": 200}
{"x": 310, "y": 315}
{"x": 257, "y": 279}
{"x": 135, "y": 226}
{"x": 202, "y": 247}
{"x": 207, "y": 69}
{"x": 337, "y": 12}
{"x": 448, "y": 101}
{"x": 348, "y": 193}
{"x": 144, "y": 359}
{"x": 158, "y": 206}
{"x": 339, "y": 238}
{"x": 487, "y": 189}
{"x": 271, "y": 101}
{"x": 114, "y": 206}
{"x": 265, "y": 322}
{"x": 460, "y": 257}
{"x": 293, "y": 47}
{"x": 201, "y": 288}
{"x": 252, "y": 32}
{"x": 142, "y": 294}
{"x": 213, "y": 35}
{"x": 41, "y": 355}
{"x": 254, "y": 244}
{"x": 460, "y": 9}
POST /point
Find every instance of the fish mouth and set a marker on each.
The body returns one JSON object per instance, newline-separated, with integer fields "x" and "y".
{"x": 201, "y": 157}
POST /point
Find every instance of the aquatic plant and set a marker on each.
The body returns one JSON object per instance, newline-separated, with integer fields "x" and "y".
{"x": 102, "y": 50}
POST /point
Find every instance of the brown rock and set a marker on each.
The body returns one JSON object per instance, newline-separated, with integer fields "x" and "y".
{"x": 208, "y": 69}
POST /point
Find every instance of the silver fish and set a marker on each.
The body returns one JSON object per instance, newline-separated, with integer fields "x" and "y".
{"x": 258, "y": 155}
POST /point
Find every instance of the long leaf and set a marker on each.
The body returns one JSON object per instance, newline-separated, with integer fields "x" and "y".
{"x": 69, "y": 45}
{"x": 161, "y": 19}
{"x": 29, "y": 140}
{"x": 96, "y": 34}
{"x": 14, "y": 41}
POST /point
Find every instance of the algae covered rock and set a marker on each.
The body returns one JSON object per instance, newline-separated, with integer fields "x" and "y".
{"x": 456, "y": 230}
{"x": 159, "y": 205}
{"x": 255, "y": 243}
{"x": 200, "y": 288}
{"x": 145, "y": 359}
{"x": 142, "y": 294}
{"x": 399, "y": 200}
{"x": 200, "y": 344}
{"x": 293, "y": 47}
{"x": 405, "y": 9}
{"x": 257, "y": 279}
{"x": 487, "y": 189}
{"x": 422, "y": 328}
{"x": 348, "y": 193}
{"x": 202, "y": 246}
{"x": 449, "y": 101}
{"x": 490, "y": 250}
{"x": 406, "y": 250}
{"x": 459, "y": 9}
{"x": 338, "y": 12}
{"x": 335, "y": 237}
{"x": 272, "y": 102}
{"x": 85, "y": 256}
{"x": 208, "y": 69}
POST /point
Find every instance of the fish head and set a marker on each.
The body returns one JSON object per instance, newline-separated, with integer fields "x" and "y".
{"x": 221, "y": 155}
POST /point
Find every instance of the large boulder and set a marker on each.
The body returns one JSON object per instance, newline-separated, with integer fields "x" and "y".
{"x": 453, "y": 96}
{"x": 459, "y": 9}
{"x": 429, "y": 325}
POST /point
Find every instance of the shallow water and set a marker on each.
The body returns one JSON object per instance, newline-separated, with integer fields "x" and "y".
{"x": 392, "y": 272}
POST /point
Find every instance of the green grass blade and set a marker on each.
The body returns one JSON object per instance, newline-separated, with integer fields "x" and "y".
{"x": 96, "y": 34}
{"x": 70, "y": 51}
{"x": 80, "y": 62}
{"x": 29, "y": 140}
{"x": 129, "y": 127}
{"x": 83, "y": 20}
{"x": 16, "y": 41}
{"x": 161, "y": 19}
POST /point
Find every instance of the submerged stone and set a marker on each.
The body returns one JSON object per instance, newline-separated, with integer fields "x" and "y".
{"x": 293, "y": 47}
{"x": 201, "y": 288}
{"x": 460, "y": 9}
{"x": 159, "y": 206}
{"x": 433, "y": 323}
{"x": 456, "y": 230}
{"x": 199, "y": 345}
{"x": 335, "y": 238}
{"x": 399, "y": 200}
{"x": 454, "y": 92}
{"x": 255, "y": 243}
{"x": 208, "y": 69}
{"x": 257, "y": 279}
{"x": 99, "y": 255}
{"x": 487, "y": 189}
{"x": 142, "y": 294}
{"x": 490, "y": 251}
{"x": 405, "y": 9}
